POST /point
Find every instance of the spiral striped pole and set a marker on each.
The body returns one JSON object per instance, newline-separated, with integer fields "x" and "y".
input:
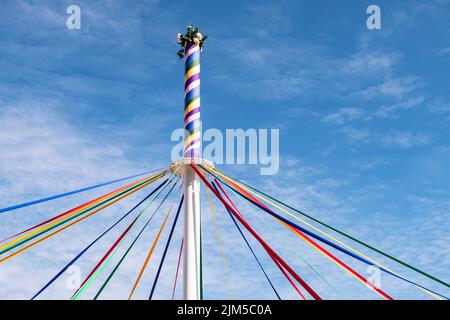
{"x": 192, "y": 151}
{"x": 192, "y": 139}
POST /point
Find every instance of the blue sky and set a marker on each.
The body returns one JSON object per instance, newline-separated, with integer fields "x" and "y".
{"x": 363, "y": 118}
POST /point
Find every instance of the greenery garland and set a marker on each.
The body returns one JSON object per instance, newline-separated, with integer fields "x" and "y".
{"x": 192, "y": 35}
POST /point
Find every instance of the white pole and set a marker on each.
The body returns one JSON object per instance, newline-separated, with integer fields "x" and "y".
{"x": 191, "y": 261}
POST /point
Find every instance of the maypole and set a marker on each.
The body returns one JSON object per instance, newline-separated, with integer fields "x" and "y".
{"x": 192, "y": 43}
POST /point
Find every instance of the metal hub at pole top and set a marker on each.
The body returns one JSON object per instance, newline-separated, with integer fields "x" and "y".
{"x": 178, "y": 166}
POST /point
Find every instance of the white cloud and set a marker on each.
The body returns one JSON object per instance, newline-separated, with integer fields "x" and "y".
{"x": 390, "y": 111}
{"x": 344, "y": 115}
{"x": 370, "y": 62}
{"x": 405, "y": 139}
{"x": 372, "y": 163}
{"x": 42, "y": 152}
{"x": 444, "y": 51}
{"x": 355, "y": 134}
{"x": 391, "y": 87}
{"x": 439, "y": 107}
{"x": 387, "y": 139}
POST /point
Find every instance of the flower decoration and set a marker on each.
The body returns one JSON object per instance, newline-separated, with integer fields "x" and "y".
{"x": 192, "y": 35}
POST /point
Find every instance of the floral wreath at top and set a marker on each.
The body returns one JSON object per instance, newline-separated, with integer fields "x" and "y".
{"x": 192, "y": 35}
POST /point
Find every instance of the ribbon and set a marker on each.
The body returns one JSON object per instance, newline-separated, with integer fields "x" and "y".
{"x": 69, "y": 193}
{"x": 166, "y": 248}
{"x": 178, "y": 268}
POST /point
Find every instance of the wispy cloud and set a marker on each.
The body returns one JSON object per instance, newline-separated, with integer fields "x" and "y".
{"x": 43, "y": 150}
{"x": 345, "y": 115}
{"x": 391, "y": 87}
{"x": 354, "y": 134}
{"x": 391, "y": 111}
{"x": 444, "y": 51}
{"x": 405, "y": 139}
{"x": 439, "y": 107}
{"x": 386, "y": 139}
{"x": 369, "y": 62}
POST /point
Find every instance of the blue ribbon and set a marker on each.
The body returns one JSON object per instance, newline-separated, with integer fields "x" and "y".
{"x": 30, "y": 203}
